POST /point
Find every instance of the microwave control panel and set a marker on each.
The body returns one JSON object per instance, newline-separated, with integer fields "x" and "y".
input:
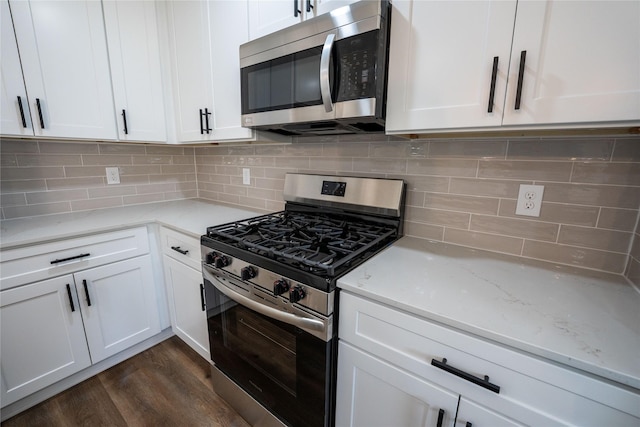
{"x": 357, "y": 66}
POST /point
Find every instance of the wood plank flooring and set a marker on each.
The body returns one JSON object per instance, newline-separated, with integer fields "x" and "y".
{"x": 167, "y": 385}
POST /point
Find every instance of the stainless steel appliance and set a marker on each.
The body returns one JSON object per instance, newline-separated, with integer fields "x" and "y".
{"x": 324, "y": 76}
{"x": 271, "y": 297}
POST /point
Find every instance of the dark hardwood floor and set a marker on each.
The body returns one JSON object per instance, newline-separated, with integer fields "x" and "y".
{"x": 167, "y": 385}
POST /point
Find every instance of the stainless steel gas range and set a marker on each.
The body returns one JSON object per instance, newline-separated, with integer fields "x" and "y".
{"x": 271, "y": 297}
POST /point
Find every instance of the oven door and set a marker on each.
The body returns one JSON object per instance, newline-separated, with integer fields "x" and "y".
{"x": 285, "y": 368}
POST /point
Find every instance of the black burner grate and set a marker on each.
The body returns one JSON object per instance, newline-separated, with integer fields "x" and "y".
{"x": 319, "y": 243}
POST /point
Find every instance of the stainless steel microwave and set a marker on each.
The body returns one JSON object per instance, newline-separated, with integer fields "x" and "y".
{"x": 323, "y": 76}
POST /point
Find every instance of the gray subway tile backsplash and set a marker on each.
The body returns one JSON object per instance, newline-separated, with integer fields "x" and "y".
{"x": 462, "y": 191}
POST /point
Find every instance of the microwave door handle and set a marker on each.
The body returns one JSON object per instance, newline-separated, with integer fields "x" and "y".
{"x": 292, "y": 319}
{"x": 325, "y": 84}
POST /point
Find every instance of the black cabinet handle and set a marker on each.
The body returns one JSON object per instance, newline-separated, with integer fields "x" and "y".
{"x": 204, "y": 306}
{"x": 482, "y": 382}
{"x": 201, "y": 124}
{"x": 440, "y": 418}
{"x": 296, "y": 11}
{"x": 124, "y": 119}
{"x": 86, "y": 292}
{"x": 207, "y": 113}
{"x": 523, "y": 57}
{"x": 73, "y": 307}
{"x": 56, "y": 261}
{"x": 309, "y": 6}
{"x": 177, "y": 249}
{"x": 40, "y": 113}
{"x": 492, "y": 88}
{"x": 468, "y": 424}
{"x": 24, "y": 120}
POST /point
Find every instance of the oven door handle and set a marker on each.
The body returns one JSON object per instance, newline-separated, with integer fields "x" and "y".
{"x": 292, "y": 319}
{"x": 325, "y": 84}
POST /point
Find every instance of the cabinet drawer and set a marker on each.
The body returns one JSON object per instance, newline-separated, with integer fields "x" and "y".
{"x": 30, "y": 263}
{"x": 181, "y": 247}
{"x": 531, "y": 388}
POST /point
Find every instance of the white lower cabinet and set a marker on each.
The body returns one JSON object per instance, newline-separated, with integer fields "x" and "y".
{"x": 372, "y": 392}
{"x": 118, "y": 305}
{"x": 53, "y": 328}
{"x": 42, "y": 336}
{"x": 183, "y": 279}
{"x": 387, "y": 376}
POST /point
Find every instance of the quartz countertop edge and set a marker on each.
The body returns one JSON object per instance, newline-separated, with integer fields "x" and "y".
{"x": 580, "y": 318}
{"x": 189, "y": 216}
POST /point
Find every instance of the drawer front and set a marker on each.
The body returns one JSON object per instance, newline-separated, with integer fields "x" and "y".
{"x": 31, "y": 263}
{"x": 526, "y": 383}
{"x": 181, "y": 247}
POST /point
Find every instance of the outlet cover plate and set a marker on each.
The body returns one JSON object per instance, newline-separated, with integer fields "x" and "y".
{"x": 113, "y": 175}
{"x": 246, "y": 176}
{"x": 529, "y": 200}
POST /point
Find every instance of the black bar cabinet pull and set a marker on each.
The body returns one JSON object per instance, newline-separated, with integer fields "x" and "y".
{"x": 124, "y": 119}
{"x": 73, "y": 307}
{"x": 523, "y": 57}
{"x": 492, "y": 89}
{"x": 57, "y": 261}
{"x": 309, "y": 6}
{"x": 177, "y": 249}
{"x": 24, "y": 120}
{"x": 204, "y": 306}
{"x": 296, "y": 11}
{"x": 482, "y": 382}
{"x": 201, "y": 125}
{"x": 40, "y": 113}
{"x": 207, "y": 113}
{"x": 86, "y": 292}
{"x": 468, "y": 424}
{"x": 440, "y": 417}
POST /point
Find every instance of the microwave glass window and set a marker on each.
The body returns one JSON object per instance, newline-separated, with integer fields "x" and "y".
{"x": 307, "y": 77}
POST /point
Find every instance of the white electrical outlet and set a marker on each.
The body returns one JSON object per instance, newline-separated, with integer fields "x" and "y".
{"x": 246, "y": 176}
{"x": 529, "y": 200}
{"x": 113, "y": 176}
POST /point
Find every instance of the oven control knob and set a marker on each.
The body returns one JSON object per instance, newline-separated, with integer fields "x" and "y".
{"x": 211, "y": 256}
{"x": 297, "y": 294}
{"x": 248, "y": 272}
{"x": 280, "y": 286}
{"x": 221, "y": 260}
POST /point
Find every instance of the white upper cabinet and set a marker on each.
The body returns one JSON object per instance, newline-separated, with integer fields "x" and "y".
{"x": 15, "y": 118}
{"x": 65, "y": 64}
{"x": 204, "y": 38}
{"x": 267, "y": 16}
{"x": 441, "y": 63}
{"x": 582, "y": 64}
{"x": 134, "y": 57}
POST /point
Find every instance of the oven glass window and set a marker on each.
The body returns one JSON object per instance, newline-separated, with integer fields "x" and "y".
{"x": 263, "y": 345}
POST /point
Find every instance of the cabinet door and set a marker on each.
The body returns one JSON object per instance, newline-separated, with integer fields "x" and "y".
{"x": 268, "y": 16}
{"x": 64, "y": 58}
{"x": 42, "y": 337}
{"x": 480, "y": 416}
{"x": 188, "y": 317}
{"x": 15, "y": 118}
{"x": 582, "y": 62}
{"x": 371, "y": 392}
{"x": 134, "y": 56}
{"x": 190, "y": 49}
{"x": 441, "y": 63}
{"x": 119, "y": 306}
{"x": 229, "y": 27}
{"x": 325, "y": 6}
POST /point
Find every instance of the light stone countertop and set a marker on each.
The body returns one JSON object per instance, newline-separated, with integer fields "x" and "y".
{"x": 189, "y": 216}
{"x": 581, "y": 318}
